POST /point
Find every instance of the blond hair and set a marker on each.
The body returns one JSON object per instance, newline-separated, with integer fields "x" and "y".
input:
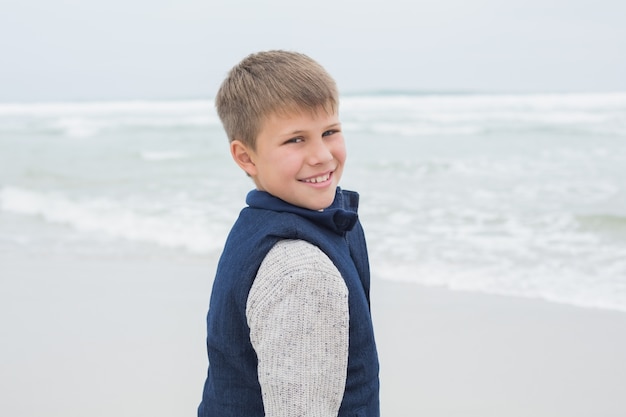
{"x": 269, "y": 83}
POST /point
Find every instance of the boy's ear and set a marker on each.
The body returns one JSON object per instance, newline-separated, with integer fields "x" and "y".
{"x": 242, "y": 156}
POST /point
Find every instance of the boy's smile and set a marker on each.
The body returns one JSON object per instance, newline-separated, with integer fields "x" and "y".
{"x": 298, "y": 158}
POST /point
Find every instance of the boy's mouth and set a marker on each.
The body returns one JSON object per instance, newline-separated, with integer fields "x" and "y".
{"x": 318, "y": 179}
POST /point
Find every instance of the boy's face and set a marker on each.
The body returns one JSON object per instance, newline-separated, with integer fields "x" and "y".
{"x": 298, "y": 158}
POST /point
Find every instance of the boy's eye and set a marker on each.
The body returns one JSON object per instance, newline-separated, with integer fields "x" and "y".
{"x": 329, "y": 132}
{"x": 294, "y": 140}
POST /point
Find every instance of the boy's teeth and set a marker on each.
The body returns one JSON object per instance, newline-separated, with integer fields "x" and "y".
{"x": 318, "y": 179}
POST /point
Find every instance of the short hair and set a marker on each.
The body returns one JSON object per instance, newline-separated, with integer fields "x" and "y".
{"x": 272, "y": 83}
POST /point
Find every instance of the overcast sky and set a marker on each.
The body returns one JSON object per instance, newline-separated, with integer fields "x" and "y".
{"x": 146, "y": 49}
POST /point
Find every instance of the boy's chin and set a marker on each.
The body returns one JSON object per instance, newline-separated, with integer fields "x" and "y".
{"x": 321, "y": 204}
{"x": 317, "y": 202}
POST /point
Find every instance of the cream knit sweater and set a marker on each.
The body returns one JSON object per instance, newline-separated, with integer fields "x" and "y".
{"x": 297, "y": 310}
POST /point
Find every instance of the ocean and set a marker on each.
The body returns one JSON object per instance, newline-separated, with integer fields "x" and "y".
{"x": 521, "y": 194}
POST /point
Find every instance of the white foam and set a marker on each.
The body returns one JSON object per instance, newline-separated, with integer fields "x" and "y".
{"x": 81, "y": 120}
{"x": 79, "y": 127}
{"x": 162, "y": 155}
{"x": 474, "y": 114}
{"x": 404, "y": 115}
{"x": 113, "y": 219}
{"x": 537, "y": 282}
{"x": 420, "y": 129}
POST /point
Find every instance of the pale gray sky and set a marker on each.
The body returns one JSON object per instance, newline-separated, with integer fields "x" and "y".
{"x": 121, "y": 49}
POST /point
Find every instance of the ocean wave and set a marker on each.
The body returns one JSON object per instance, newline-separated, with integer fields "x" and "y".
{"x": 189, "y": 231}
{"x": 81, "y": 120}
{"x": 157, "y": 156}
{"x": 488, "y": 242}
{"x": 612, "y": 224}
{"x": 407, "y": 115}
{"x": 496, "y": 101}
{"x": 494, "y": 114}
{"x": 551, "y": 280}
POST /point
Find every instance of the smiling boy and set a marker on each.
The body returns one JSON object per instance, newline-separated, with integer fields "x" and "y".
{"x": 289, "y": 330}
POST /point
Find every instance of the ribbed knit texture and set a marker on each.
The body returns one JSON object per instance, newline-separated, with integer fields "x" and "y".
{"x": 298, "y": 315}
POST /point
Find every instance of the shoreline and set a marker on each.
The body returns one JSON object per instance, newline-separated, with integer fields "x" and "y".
{"x": 126, "y": 337}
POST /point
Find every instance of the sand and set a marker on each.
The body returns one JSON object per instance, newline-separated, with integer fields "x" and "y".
{"x": 119, "y": 337}
{"x": 446, "y": 353}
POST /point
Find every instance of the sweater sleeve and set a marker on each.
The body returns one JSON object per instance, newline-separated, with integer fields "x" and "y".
{"x": 297, "y": 310}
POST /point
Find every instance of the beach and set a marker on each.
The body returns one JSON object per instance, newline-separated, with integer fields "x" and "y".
{"x": 120, "y": 337}
{"x": 450, "y": 353}
{"x": 113, "y": 216}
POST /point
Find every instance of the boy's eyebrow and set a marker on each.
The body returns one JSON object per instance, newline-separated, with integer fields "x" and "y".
{"x": 297, "y": 132}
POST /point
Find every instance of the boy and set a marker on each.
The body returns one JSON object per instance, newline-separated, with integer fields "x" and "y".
{"x": 289, "y": 326}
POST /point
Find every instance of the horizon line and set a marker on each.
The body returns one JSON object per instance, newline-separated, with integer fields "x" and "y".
{"x": 349, "y": 93}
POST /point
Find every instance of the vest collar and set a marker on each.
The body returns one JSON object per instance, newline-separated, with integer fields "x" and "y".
{"x": 340, "y": 217}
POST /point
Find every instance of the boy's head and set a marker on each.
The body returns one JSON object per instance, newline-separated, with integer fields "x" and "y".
{"x": 280, "y": 112}
{"x": 272, "y": 83}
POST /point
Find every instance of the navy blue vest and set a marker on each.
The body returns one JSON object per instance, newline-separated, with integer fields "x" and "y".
{"x": 232, "y": 386}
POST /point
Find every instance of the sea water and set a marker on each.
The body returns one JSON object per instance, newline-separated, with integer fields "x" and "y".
{"x": 512, "y": 194}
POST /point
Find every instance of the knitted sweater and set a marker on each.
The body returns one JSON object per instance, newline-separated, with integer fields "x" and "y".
{"x": 298, "y": 316}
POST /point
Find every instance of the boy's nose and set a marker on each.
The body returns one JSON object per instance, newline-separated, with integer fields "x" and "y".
{"x": 319, "y": 152}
